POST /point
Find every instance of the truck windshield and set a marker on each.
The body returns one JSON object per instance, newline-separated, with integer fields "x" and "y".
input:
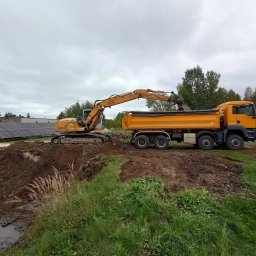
{"x": 244, "y": 109}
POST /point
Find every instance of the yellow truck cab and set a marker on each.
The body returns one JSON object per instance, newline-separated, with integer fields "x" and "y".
{"x": 240, "y": 114}
{"x": 230, "y": 124}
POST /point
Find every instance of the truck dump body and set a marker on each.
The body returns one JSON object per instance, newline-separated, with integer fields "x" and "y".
{"x": 199, "y": 119}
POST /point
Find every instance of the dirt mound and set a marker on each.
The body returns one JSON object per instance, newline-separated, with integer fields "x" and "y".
{"x": 22, "y": 162}
{"x": 9, "y": 157}
{"x": 180, "y": 169}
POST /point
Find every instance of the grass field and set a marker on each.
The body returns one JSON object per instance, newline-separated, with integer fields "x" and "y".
{"x": 107, "y": 217}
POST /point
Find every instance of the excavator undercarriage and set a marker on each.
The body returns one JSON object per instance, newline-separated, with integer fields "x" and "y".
{"x": 81, "y": 138}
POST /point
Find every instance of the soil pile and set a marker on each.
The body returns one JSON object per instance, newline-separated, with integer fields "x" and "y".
{"x": 185, "y": 169}
{"x": 22, "y": 162}
{"x": 179, "y": 168}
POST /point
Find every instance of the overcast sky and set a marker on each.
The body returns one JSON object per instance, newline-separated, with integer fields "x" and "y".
{"x": 54, "y": 53}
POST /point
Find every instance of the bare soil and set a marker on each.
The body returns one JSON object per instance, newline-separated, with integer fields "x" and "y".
{"x": 179, "y": 168}
{"x": 22, "y": 162}
{"x": 186, "y": 169}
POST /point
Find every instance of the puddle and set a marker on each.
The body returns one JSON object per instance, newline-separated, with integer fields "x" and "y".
{"x": 8, "y": 236}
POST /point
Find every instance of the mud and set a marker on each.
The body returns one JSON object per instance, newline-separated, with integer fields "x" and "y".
{"x": 8, "y": 236}
{"x": 179, "y": 168}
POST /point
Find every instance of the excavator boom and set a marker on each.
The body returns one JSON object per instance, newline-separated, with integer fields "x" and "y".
{"x": 100, "y": 105}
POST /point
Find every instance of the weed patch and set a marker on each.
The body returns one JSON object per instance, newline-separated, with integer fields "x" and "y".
{"x": 196, "y": 202}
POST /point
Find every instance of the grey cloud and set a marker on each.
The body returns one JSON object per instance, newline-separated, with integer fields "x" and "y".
{"x": 53, "y": 53}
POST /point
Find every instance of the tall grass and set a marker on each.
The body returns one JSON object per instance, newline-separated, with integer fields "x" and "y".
{"x": 106, "y": 217}
{"x": 56, "y": 183}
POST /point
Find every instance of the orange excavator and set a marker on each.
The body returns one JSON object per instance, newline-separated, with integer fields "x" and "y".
{"x": 86, "y": 130}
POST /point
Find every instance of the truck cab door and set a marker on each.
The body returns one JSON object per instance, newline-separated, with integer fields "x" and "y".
{"x": 245, "y": 115}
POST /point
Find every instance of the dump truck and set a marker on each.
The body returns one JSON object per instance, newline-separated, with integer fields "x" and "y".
{"x": 229, "y": 124}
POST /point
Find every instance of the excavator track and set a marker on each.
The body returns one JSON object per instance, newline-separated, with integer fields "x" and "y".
{"x": 81, "y": 138}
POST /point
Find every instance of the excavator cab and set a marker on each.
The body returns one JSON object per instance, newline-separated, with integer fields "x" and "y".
{"x": 81, "y": 120}
{"x": 86, "y": 113}
{"x": 99, "y": 126}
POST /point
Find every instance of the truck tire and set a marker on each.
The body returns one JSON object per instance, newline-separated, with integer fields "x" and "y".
{"x": 141, "y": 141}
{"x": 235, "y": 141}
{"x": 161, "y": 142}
{"x": 205, "y": 142}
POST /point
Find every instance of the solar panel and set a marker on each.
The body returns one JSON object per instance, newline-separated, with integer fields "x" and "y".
{"x": 19, "y": 130}
{"x": 3, "y": 134}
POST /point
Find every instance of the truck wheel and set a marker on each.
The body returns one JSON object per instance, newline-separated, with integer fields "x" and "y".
{"x": 161, "y": 142}
{"x": 235, "y": 141}
{"x": 141, "y": 141}
{"x": 205, "y": 142}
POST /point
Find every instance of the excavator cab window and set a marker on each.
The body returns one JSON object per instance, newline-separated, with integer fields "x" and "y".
{"x": 86, "y": 113}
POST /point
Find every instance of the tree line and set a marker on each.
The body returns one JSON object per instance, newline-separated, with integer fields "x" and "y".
{"x": 9, "y": 115}
{"x": 198, "y": 90}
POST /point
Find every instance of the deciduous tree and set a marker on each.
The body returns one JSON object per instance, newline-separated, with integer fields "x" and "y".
{"x": 202, "y": 91}
{"x": 75, "y": 110}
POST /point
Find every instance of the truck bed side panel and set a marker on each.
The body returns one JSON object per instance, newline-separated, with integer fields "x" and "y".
{"x": 162, "y": 121}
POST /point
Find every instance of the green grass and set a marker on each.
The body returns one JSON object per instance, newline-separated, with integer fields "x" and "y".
{"x": 106, "y": 217}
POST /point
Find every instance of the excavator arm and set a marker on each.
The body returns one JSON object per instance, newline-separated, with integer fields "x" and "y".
{"x": 93, "y": 118}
